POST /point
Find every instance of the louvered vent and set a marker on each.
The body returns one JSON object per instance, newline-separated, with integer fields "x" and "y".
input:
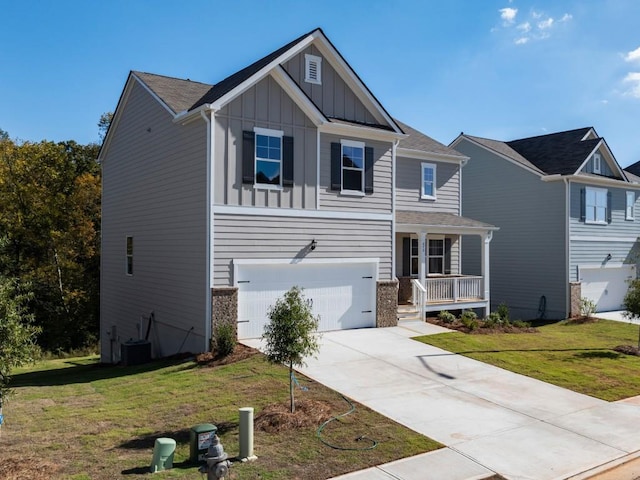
{"x": 313, "y": 69}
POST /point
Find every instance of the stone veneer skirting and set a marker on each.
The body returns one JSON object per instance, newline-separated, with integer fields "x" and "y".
{"x": 575, "y": 293}
{"x": 224, "y": 308}
{"x": 387, "y": 304}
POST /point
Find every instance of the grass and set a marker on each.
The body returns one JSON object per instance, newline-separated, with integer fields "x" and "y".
{"x": 76, "y": 419}
{"x": 577, "y": 356}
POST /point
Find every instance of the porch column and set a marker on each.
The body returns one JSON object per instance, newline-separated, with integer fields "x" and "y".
{"x": 486, "y": 240}
{"x": 422, "y": 263}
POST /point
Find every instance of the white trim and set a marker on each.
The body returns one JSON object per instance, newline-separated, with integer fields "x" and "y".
{"x": 593, "y": 180}
{"x": 308, "y": 61}
{"x": 209, "y": 222}
{"x": 353, "y": 143}
{"x": 318, "y": 169}
{"x": 434, "y": 157}
{"x": 300, "y": 213}
{"x": 597, "y": 190}
{"x": 153, "y": 94}
{"x": 361, "y": 146}
{"x": 590, "y": 135}
{"x": 394, "y": 147}
{"x": 361, "y": 131}
{"x": 268, "y": 132}
{"x": 443, "y": 229}
{"x": 298, "y": 96}
{"x": 603, "y": 239}
{"x": 584, "y": 163}
{"x": 627, "y": 205}
{"x": 433, "y": 167}
{"x": 597, "y": 163}
{"x": 301, "y": 261}
{"x": 567, "y": 246}
{"x": 351, "y": 193}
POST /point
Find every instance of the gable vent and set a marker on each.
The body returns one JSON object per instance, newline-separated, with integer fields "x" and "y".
{"x": 313, "y": 69}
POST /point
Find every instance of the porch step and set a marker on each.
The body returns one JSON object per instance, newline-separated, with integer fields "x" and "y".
{"x": 408, "y": 312}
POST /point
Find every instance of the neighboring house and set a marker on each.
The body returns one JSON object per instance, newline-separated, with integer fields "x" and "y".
{"x": 568, "y": 221}
{"x": 218, "y": 198}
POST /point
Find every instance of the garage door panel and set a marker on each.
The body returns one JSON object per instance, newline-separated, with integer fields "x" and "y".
{"x": 343, "y": 294}
{"x": 606, "y": 286}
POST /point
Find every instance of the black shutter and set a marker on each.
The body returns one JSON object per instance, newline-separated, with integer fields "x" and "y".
{"x": 248, "y": 157}
{"x": 609, "y": 207}
{"x": 583, "y": 205}
{"x": 368, "y": 169}
{"x": 447, "y": 256}
{"x": 406, "y": 256}
{"x": 336, "y": 166}
{"x": 287, "y": 161}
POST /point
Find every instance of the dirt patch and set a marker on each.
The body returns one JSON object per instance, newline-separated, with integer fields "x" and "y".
{"x": 582, "y": 320}
{"x": 277, "y": 417}
{"x": 628, "y": 350}
{"x": 27, "y": 468}
{"x": 213, "y": 359}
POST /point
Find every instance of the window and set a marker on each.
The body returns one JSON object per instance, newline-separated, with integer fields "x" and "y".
{"x": 268, "y": 157}
{"x": 312, "y": 69}
{"x": 596, "y": 205}
{"x": 631, "y": 200}
{"x": 352, "y": 165}
{"x": 597, "y": 163}
{"x": 129, "y": 255}
{"x": 436, "y": 255}
{"x": 415, "y": 257}
{"x": 428, "y": 190}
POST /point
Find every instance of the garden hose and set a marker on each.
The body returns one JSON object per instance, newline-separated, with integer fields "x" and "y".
{"x": 352, "y": 408}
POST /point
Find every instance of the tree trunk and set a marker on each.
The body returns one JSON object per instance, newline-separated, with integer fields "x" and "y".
{"x": 293, "y": 405}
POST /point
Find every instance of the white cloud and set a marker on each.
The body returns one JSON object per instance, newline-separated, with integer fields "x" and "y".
{"x": 521, "y": 40}
{"x": 633, "y": 55}
{"x": 508, "y": 14}
{"x": 545, "y": 24}
{"x": 633, "y": 78}
{"x": 525, "y": 27}
{"x": 566, "y": 17}
{"x": 536, "y": 15}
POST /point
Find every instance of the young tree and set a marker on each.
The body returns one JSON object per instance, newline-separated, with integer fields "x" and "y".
{"x": 632, "y": 303}
{"x": 291, "y": 333}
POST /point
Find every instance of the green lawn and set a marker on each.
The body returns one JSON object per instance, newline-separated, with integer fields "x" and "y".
{"x": 576, "y": 356}
{"x": 80, "y": 420}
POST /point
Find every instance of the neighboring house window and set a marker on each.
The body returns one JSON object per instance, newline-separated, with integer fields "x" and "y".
{"x": 428, "y": 190}
{"x": 129, "y": 255}
{"x": 631, "y": 201}
{"x": 436, "y": 255}
{"x": 351, "y": 167}
{"x": 312, "y": 69}
{"x": 415, "y": 257}
{"x": 267, "y": 158}
{"x": 597, "y": 163}
{"x": 596, "y": 205}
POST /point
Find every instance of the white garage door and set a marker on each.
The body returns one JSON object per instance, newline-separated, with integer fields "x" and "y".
{"x": 606, "y": 287}
{"x": 343, "y": 294}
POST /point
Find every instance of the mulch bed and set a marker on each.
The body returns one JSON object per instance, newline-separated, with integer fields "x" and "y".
{"x": 277, "y": 417}
{"x": 27, "y": 468}
{"x": 213, "y": 359}
{"x": 628, "y": 350}
{"x": 481, "y": 330}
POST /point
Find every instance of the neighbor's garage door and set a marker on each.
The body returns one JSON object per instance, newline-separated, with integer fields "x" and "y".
{"x": 606, "y": 287}
{"x": 343, "y": 294}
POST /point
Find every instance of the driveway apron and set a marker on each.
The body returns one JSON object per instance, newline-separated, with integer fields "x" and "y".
{"x": 514, "y": 425}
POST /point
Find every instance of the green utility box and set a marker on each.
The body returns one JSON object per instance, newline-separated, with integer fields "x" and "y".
{"x": 163, "y": 451}
{"x": 200, "y": 439}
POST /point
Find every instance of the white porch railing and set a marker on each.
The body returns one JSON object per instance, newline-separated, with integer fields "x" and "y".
{"x": 419, "y": 296}
{"x": 452, "y": 289}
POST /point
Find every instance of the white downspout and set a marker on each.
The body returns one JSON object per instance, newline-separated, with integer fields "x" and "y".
{"x": 567, "y": 241}
{"x": 394, "y": 147}
{"x": 210, "y": 122}
{"x": 317, "y": 169}
{"x": 486, "y": 240}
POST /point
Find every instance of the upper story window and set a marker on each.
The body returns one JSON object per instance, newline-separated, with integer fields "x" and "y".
{"x": 630, "y": 204}
{"x": 267, "y": 158}
{"x": 428, "y": 188}
{"x": 352, "y": 167}
{"x": 597, "y": 163}
{"x": 597, "y": 208}
{"x": 313, "y": 69}
{"x": 129, "y": 268}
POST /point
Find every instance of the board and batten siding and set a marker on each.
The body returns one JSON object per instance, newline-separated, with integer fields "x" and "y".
{"x": 333, "y": 96}
{"x": 379, "y": 201}
{"x": 591, "y": 243}
{"x": 264, "y": 105}
{"x": 409, "y": 187}
{"x": 265, "y": 237}
{"x": 154, "y": 189}
{"x": 528, "y": 253}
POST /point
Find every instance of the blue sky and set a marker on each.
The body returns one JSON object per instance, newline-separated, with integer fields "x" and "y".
{"x": 502, "y": 69}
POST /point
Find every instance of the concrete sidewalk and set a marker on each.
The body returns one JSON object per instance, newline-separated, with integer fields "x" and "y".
{"x": 490, "y": 419}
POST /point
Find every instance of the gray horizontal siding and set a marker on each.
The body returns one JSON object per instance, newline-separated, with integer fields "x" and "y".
{"x": 256, "y": 237}
{"x": 379, "y": 201}
{"x": 333, "y": 96}
{"x": 264, "y": 105}
{"x": 154, "y": 189}
{"x": 594, "y": 253}
{"x": 528, "y": 253}
{"x": 409, "y": 186}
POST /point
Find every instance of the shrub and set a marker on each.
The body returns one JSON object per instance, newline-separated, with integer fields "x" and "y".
{"x": 225, "y": 339}
{"x": 469, "y": 319}
{"x": 503, "y": 313}
{"x": 520, "y": 324}
{"x": 587, "y": 307}
{"x": 446, "y": 316}
{"x": 493, "y": 320}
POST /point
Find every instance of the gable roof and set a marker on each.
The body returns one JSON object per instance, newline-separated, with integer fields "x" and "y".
{"x": 176, "y": 93}
{"x": 421, "y": 142}
{"x": 556, "y": 153}
{"x": 634, "y": 169}
{"x": 505, "y": 150}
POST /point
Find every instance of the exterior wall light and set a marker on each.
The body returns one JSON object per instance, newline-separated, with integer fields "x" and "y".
{"x": 313, "y": 244}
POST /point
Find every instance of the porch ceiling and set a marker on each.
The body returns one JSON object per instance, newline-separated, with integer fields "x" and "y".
{"x": 439, "y": 223}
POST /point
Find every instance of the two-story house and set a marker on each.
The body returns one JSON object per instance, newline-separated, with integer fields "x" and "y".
{"x": 568, "y": 220}
{"x": 219, "y": 198}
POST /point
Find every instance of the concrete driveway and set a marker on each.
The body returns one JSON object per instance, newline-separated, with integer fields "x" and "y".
{"x": 492, "y": 420}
